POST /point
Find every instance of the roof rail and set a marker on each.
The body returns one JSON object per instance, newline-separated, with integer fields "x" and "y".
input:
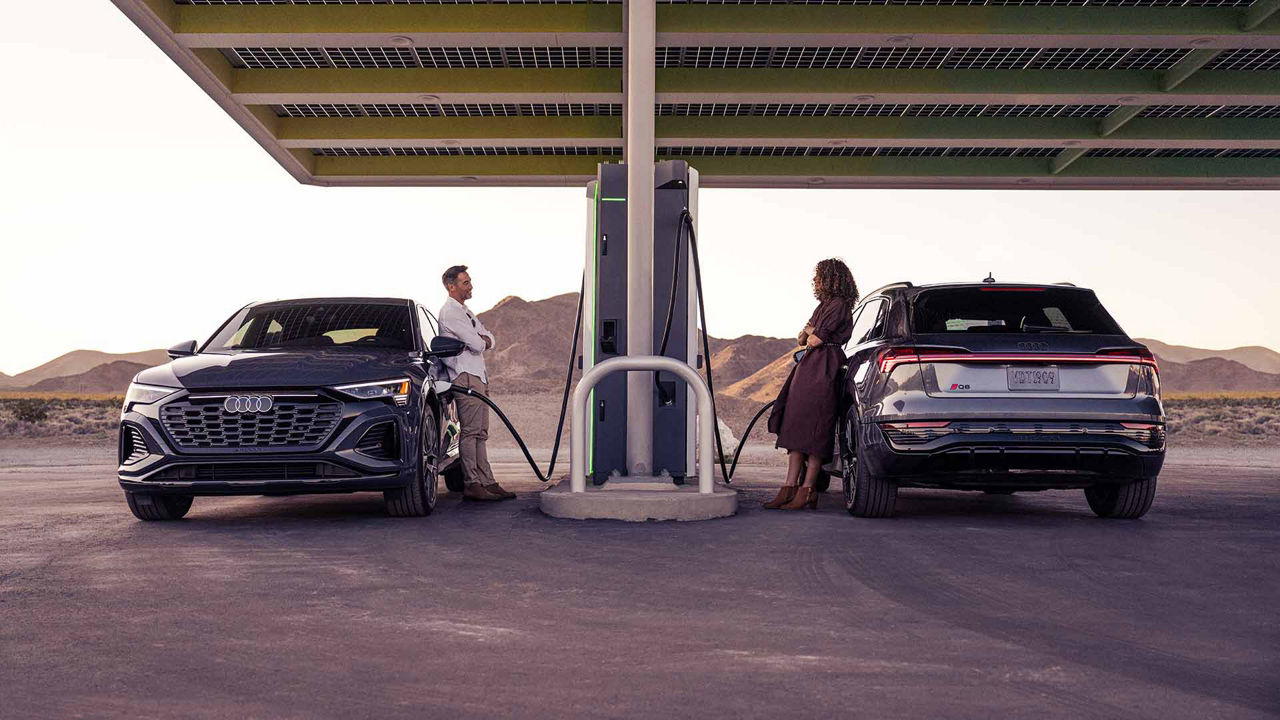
{"x": 877, "y": 291}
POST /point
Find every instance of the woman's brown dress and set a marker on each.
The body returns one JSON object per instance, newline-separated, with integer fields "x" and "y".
{"x": 804, "y": 415}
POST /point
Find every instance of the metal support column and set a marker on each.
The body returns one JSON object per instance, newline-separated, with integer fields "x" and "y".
{"x": 641, "y": 46}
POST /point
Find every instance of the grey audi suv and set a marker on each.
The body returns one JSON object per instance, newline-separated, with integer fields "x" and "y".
{"x": 296, "y": 396}
{"x": 997, "y": 387}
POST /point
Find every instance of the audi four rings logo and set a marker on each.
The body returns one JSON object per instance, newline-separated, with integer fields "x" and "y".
{"x": 1040, "y": 346}
{"x": 248, "y": 404}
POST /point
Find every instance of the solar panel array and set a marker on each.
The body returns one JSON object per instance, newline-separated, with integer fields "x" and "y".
{"x": 729, "y": 57}
{"x": 1108, "y": 106}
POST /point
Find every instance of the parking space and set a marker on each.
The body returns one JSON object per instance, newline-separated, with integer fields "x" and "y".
{"x": 963, "y": 605}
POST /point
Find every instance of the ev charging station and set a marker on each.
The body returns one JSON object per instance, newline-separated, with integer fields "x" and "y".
{"x": 605, "y": 319}
{"x": 675, "y": 406}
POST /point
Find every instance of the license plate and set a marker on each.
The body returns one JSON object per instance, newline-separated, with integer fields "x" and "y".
{"x": 1033, "y": 378}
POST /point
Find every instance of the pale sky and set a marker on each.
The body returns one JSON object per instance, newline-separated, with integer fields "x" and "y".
{"x": 135, "y": 214}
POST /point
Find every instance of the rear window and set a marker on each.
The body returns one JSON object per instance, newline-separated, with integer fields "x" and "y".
{"x": 1011, "y": 310}
{"x": 316, "y": 326}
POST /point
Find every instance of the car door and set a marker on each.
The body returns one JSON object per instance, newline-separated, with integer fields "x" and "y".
{"x": 437, "y": 374}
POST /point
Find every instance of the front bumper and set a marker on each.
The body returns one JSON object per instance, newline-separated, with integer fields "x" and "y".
{"x": 337, "y": 466}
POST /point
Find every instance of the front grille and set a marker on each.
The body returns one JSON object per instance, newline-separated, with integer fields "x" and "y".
{"x": 380, "y": 442}
{"x": 231, "y": 472}
{"x": 198, "y": 425}
{"x": 133, "y": 447}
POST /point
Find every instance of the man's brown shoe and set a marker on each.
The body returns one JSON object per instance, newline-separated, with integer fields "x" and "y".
{"x": 478, "y": 492}
{"x": 500, "y": 491}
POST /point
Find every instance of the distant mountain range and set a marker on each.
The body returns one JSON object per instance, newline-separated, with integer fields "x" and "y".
{"x": 531, "y": 355}
{"x": 79, "y": 362}
{"x": 1254, "y": 357}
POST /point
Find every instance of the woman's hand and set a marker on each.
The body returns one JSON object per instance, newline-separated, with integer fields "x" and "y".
{"x": 808, "y": 330}
{"x": 802, "y": 338}
{"x": 814, "y": 341}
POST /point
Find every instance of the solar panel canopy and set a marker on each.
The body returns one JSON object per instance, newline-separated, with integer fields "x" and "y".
{"x": 772, "y": 93}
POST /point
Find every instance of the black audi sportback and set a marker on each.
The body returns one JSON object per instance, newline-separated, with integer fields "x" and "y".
{"x": 290, "y": 397}
{"x": 1000, "y": 388}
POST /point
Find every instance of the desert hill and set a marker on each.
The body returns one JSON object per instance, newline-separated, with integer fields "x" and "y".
{"x": 77, "y": 362}
{"x": 532, "y": 350}
{"x": 533, "y": 340}
{"x": 112, "y": 377}
{"x": 1213, "y": 374}
{"x": 1254, "y": 357}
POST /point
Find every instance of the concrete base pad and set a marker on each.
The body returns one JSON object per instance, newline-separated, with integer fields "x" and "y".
{"x": 638, "y": 501}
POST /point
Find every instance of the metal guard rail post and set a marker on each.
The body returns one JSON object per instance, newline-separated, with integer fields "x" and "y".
{"x": 581, "y": 396}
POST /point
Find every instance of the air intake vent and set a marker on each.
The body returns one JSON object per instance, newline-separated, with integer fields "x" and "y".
{"x": 230, "y": 472}
{"x": 133, "y": 447}
{"x": 380, "y": 442}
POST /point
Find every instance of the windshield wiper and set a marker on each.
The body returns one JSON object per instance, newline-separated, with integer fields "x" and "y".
{"x": 1054, "y": 329}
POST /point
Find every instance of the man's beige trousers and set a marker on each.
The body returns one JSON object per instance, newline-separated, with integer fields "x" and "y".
{"x": 474, "y": 416}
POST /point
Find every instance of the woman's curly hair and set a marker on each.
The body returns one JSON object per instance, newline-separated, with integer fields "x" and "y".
{"x": 832, "y": 280}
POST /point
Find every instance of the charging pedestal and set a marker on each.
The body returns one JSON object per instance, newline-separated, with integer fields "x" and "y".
{"x": 600, "y": 429}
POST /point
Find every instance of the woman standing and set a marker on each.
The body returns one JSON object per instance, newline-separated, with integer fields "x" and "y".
{"x": 804, "y": 415}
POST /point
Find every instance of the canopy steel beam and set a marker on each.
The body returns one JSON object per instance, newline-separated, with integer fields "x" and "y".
{"x": 781, "y": 131}
{"x": 506, "y": 85}
{"x": 1258, "y": 13}
{"x": 722, "y": 171}
{"x": 1186, "y": 67}
{"x": 585, "y": 25}
{"x": 1117, "y": 119}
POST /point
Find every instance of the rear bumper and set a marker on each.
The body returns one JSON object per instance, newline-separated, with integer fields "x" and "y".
{"x": 1008, "y": 460}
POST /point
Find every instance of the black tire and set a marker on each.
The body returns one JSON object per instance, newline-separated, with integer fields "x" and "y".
{"x": 453, "y": 478}
{"x": 418, "y": 498}
{"x": 1128, "y": 501}
{"x": 866, "y": 494}
{"x": 157, "y": 507}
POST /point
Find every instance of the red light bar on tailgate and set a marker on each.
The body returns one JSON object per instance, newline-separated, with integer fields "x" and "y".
{"x": 890, "y": 358}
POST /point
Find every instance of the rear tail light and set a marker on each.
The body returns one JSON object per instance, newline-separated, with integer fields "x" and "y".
{"x": 891, "y": 358}
{"x": 1151, "y": 434}
{"x": 1136, "y": 356}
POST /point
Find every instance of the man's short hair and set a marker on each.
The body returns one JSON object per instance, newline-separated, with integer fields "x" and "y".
{"x": 451, "y": 275}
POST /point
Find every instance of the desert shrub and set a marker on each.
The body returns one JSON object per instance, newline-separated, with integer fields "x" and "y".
{"x": 31, "y": 411}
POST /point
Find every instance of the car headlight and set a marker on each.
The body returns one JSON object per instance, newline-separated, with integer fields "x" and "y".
{"x": 140, "y": 394}
{"x": 397, "y": 390}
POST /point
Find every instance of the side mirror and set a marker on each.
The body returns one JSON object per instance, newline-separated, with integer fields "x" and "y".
{"x": 444, "y": 347}
{"x": 186, "y": 349}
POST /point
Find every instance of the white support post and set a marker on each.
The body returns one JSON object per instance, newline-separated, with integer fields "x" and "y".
{"x": 641, "y": 46}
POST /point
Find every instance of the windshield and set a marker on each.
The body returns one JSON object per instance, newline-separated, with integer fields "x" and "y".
{"x": 318, "y": 325}
{"x": 1011, "y": 310}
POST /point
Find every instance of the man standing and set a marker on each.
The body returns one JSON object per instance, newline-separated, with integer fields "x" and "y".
{"x": 467, "y": 370}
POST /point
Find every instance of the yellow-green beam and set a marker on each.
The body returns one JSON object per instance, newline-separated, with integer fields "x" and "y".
{"x": 402, "y": 131}
{"x": 683, "y": 24}
{"x": 1128, "y": 87}
{"x": 720, "y": 168}
{"x": 409, "y": 85}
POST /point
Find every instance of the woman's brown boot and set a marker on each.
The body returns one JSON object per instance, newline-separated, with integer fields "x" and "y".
{"x": 805, "y": 497}
{"x": 785, "y": 493}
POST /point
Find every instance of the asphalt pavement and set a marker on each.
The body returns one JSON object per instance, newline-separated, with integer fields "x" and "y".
{"x": 963, "y": 605}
